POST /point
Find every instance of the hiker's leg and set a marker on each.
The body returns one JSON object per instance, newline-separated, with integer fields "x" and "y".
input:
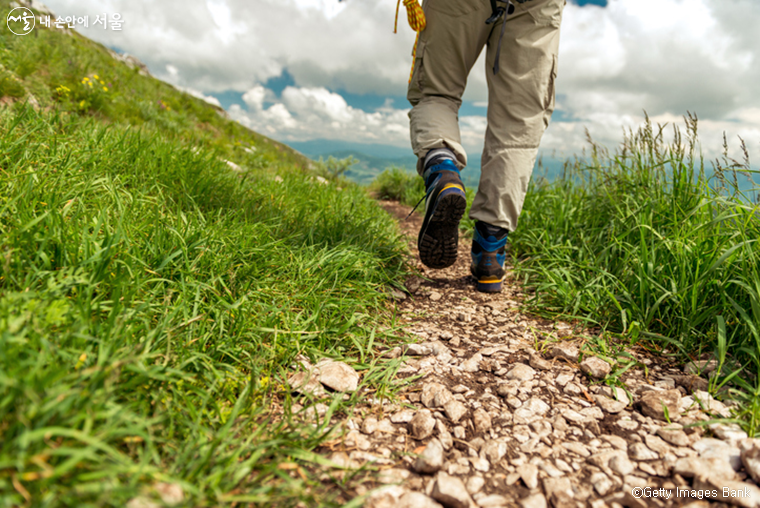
{"x": 520, "y": 104}
{"x": 446, "y": 51}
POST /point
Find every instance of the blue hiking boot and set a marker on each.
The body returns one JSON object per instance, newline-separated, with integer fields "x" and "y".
{"x": 488, "y": 256}
{"x": 445, "y": 202}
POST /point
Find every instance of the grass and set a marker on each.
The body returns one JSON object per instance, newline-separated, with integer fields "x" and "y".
{"x": 398, "y": 184}
{"x": 651, "y": 247}
{"x": 152, "y": 300}
{"x": 73, "y": 74}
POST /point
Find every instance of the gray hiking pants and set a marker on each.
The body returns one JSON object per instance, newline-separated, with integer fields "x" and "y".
{"x": 520, "y": 95}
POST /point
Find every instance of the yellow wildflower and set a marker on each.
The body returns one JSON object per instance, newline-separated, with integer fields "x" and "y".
{"x": 105, "y": 88}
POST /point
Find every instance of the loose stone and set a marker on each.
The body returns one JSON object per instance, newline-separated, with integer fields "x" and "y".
{"x": 419, "y": 350}
{"x": 306, "y": 383}
{"x": 474, "y": 484}
{"x": 717, "y": 449}
{"x": 450, "y": 491}
{"x": 529, "y": 475}
{"x": 473, "y": 364}
{"x": 338, "y": 376}
{"x": 429, "y": 391}
{"x": 621, "y": 465}
{"x": 577, "y": 448}
{"x": 521, "y": 372}
{"x": 676, "y": 437}
{"x": 639, "y": 451}
{"x": 539, "y": 363}
{"x": 559, "y": 491}
{"x": 616, "y": 441}
{"x": 534, "y": 501}
{"x": 564, "y": 378}
{"x": 652, "y": 403}
{"x": 690, "y": 467}
{"x": 494, "y": 451}
{"x": 369, "y": 425}
{"x": 479, "y": 464}
{"x": 403, "y": 416}
{"x": 565, "y": 351}
{"x": 422, "y": 425}
{"x": 601, "y": 482}
{"x": 608, "y": 405}
{"x": 750, "y": 455}
{"x": 431, "y": 458}
{"x": 492, "y": 501}
{"x": 454, "y": 410}
{"x": 532, "y": 409}
{"x": 416, "y": 500}
{"x": 595, "y": 367}
{"x": 393, "y": 475}
{"x": 656, "y": 444}
{"x": 481, "y": 420}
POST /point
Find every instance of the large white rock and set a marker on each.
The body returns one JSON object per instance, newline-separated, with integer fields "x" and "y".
{"x": 451, "y": 492}
{"x": 521, "y": 372}
{"x": 595, "y": 367}
{"x": 750, "y": 454}
{"x": 416, "y": 500}
{"x": 338, "y": 376}
{"x": 431, "y": 458}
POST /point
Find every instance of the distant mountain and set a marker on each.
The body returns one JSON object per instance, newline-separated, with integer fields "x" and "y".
{"x": 319, "y": 147}
{"x": 369, "y": 167}
{"x": 376, "y": 158}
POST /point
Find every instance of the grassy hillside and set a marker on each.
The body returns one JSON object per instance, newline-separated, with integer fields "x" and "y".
{"x": 659, "y": 248}
{"x": 160, "y": 270}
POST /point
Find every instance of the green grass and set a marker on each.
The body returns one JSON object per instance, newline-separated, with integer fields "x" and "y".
{"x": 71, "y": 73}
{"x": 152, "y": 300}
{"x": 147, "y": 293}
{"x": 398, "y": 184}
{"x": 649, "y": 245}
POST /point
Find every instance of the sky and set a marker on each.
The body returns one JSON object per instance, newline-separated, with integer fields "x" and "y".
{"x": 299, "y": 70}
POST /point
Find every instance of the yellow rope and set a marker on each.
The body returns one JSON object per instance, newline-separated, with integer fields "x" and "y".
{"x": 416, "y": 18}
{"x": 414, "y": 15}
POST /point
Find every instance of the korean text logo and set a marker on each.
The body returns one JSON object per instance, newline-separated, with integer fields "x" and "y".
{"x": 20, "y": 21}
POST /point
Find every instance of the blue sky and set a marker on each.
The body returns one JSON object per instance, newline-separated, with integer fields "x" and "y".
{"x": 306, "y": 69}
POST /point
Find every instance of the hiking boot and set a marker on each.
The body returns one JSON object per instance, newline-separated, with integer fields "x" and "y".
{"x": 488, "y": 256}
{"x": 445, "y": 202}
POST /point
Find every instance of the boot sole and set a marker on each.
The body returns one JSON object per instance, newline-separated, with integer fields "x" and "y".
{"x": 439, "y": 238}
{"x": 489, "y": 286}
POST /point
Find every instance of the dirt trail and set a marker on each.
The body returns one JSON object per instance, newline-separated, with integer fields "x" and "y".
{"x": 504, "y": 414}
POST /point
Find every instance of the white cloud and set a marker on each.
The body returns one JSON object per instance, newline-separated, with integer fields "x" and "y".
{"x": 663, "y": 56}
{"x": 222, "y": 45}
{"x": 308, "y": 113}
{"x": 305, "y": 113}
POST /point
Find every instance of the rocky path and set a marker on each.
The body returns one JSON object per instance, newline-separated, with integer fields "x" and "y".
{"x": 502, "y": 413}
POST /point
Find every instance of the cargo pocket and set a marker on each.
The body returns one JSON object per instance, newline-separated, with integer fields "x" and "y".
{"x": 414, "y": 90}
{"x": 549, "y": 100}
